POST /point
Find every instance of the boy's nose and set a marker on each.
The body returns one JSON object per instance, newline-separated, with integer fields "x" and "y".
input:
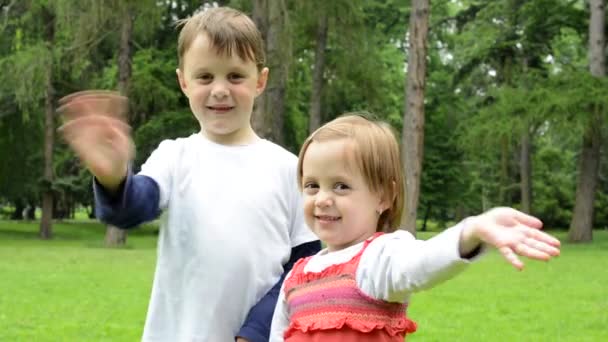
{"x": 219, "y": 90}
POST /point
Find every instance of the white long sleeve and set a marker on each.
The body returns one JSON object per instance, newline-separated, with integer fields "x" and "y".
{"x": 396, "y": 265}
{"x": 280, "y": 319}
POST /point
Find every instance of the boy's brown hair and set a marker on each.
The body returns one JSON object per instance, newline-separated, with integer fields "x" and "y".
{"x": 377, "y": 157}
{"x": 230, "y": 31}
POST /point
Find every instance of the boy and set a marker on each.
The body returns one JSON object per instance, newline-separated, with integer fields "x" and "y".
{"x": 233, "y": 222}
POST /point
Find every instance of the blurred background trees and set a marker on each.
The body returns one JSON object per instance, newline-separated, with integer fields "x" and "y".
{"x": 514, "y": 106}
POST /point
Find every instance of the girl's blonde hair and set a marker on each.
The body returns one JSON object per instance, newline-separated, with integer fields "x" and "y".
{"x": 376, "y": 155}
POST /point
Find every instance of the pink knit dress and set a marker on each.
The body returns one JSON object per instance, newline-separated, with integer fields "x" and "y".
{"x": 329, "y": 306}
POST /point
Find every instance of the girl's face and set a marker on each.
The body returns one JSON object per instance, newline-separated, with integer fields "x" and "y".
{"x": 339, "y": 207}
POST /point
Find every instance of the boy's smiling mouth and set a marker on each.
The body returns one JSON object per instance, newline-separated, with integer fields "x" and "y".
{"x": 220, "y": 108}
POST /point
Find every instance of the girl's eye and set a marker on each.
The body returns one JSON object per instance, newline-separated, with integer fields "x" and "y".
{"x": 341, "y": 187}
{"x": 310, "y": 185}
{"x": 311, "y": 188}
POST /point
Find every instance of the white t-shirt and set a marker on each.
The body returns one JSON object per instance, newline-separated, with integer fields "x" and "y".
{"x": 392, "y": 267}
{"x": 231, "y": 216}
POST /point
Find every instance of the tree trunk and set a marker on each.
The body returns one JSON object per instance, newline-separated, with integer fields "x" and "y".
{"x": 46, "y": 222}
{"x": 18, "y": 212}
{"x": 125, "y": 53}
{"x": 269, "y": 114}
{"x": 413, "y": 120}
{"x": 525, "y": 165}
{"x": 581, "y": 226}
{"x": 114, "y": 235}
{"x": 316, "y": 94}
{"x": 503, "y": 191}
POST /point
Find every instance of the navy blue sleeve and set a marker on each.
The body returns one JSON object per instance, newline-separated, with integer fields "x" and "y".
{"x": 135, "y": 202}
{"x": 257, "y": 325}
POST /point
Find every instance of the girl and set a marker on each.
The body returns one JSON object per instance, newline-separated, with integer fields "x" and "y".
{"x": 358, "y": 287}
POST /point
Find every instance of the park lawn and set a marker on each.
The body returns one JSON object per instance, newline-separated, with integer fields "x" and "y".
{"x": 71, "y": 289}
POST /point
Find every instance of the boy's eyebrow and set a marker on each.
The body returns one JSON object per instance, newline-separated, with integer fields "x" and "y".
{"x": 232, "y": 68}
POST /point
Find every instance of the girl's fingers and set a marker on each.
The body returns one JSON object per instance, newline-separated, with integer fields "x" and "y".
{"x": 526, "y": 220}
{"x": 511, "y": 257}
{"x": 542, "y": 237}
{"x": 541, "y": 246}
{"x": 531, "y": 252}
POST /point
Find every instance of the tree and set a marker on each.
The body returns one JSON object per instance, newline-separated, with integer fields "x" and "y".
{"x": 269, "y": 114}
{"x": 413, "y": 119}
{"x": 316, "y": 94}
{"x": 114, "y": 235}
{"x": 48, "y": 17}
{"x": 581, "y": 226}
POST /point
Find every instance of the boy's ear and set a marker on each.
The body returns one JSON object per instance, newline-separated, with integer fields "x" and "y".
{"x": 181, "y": 80}
{"x": 262, "y": 79}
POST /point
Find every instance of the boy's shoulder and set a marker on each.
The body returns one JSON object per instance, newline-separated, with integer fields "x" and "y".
{"x": 277, "y": 149}
{"x": 274, "y": 155}
{"x": 178, "y": 142}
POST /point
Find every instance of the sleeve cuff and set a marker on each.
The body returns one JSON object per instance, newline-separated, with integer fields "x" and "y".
{"x": 251, "y": 335}
{"x": 112, "y": 200}
{"x": 477, "y": 252}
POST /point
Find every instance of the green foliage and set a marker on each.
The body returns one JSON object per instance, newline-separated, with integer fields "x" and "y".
{"x": 553, "y": 185}
{"x": 166, "y": 125}
{"x": 495, "y": 68}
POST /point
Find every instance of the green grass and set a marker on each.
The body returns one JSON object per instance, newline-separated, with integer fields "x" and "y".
{"x": 71, "y": 289}
{"x": 565, "y": 299}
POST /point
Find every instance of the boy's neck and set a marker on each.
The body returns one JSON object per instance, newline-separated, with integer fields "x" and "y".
{"x": 247, "y": 137}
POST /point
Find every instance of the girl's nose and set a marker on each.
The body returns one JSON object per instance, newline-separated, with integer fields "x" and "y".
{"x": 323, "y": 199}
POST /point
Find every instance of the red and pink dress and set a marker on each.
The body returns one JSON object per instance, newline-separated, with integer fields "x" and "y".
{"x": 328, "y": 306}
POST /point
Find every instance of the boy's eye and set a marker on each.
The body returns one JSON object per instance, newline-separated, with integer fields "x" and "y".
{"x": 205, "y": 77}
{"x": 235, "y": 77}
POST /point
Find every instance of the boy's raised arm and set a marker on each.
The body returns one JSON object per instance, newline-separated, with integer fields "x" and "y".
{"x": 134, "y": 202}
{"x": 96, "y": 129}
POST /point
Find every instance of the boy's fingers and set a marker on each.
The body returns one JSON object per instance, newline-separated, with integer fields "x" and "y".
{"x": 72, "y": 96}
{"x": 92, "y": 126}
{"x": 108, "y": 105}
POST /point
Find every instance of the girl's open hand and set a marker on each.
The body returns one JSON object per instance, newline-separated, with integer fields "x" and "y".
{"x": 95, "y": 128}
{"x": 512, "y": 232}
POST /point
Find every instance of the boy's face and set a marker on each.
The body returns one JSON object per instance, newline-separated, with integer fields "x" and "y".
{"x": 221, "y": 91}
{"x": 339, "y": 207}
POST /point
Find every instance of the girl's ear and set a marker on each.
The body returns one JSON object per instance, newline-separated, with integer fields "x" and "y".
{"x": 387, "y": 199}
